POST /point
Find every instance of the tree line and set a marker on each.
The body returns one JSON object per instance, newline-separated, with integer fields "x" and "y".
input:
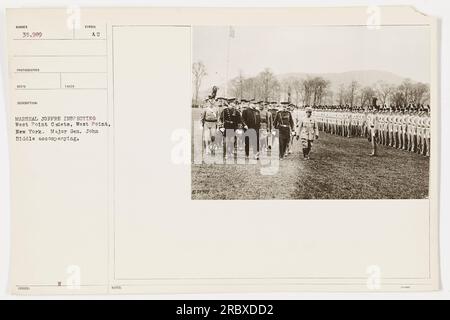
{"x": 316, "y": 90}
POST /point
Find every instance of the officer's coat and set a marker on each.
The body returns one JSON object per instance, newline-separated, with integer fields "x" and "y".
{"x": 308, "y": 129}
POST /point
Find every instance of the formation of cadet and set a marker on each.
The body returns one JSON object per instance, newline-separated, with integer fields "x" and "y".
{"x": 247, "y": 124}
{"x": 402, "y": 127}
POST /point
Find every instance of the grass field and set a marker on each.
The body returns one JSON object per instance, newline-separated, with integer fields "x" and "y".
{"x": 340, "y": 168}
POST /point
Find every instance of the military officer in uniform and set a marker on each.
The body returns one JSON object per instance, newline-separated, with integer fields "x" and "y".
{"x": 230, "y": 121}
{"x": 266, "y": 126}
{"x": 308, "y": 132}
{"x": 293, "y": 132}
{"x": 209, "y": 118}
{"x": 273, "y": 114}
{"x": 243, "y": 105}
{"x": 285, "y": 124}
{"x": 251, "y": 120}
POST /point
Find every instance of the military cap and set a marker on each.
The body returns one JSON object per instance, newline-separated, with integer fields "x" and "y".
{"x": 308, "y": 109}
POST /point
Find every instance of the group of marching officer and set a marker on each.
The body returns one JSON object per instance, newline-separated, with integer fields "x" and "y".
{"x": 247, "y": 124}
{"x": 402, "y": 127}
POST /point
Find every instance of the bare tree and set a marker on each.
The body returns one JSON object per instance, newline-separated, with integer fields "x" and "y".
{"x": 396, "y": 97}
{"x": 308, "y": 90}
{"x": 286, "y": 87}
{"x": 329, "y": 96}
{"x": 237, "y": 86}
{"x": 383, "y": 91}
{"x": 341, "y": 95}
{"x": 314, "y": 90}
{"x": 351, "y": 93}
{"x": 420, "y": 93}
{"x": 320, "y": 86}
{"x": 268, "y": 82}
{"x": 297, "y": 85}
{"x": 198, "y": 71}
{"x": 276, "y": 96}
{"x": 367, "y": 93}
{"x": 251, "y": 88}
{"x": 317, "y": 90}
{"x": 405, "y": 88}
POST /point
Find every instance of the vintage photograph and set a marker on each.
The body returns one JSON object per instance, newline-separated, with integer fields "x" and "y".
{"x": 311, "y": 112}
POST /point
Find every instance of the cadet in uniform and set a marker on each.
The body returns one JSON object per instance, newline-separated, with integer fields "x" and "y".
{"x": 382, "y": 122}
{"x": 416, "y": 122}
{"x": 365, "y": 123}
{"x": 372, "y": 124}
{"x": 284, "y": 123}
{"x": 339, "y": 122}
{"x": 354, "y": 123}
{"x": 348, "y": 122}
{"x": 420, "y": 123}
{"x": 362, "y": 122}
{"x": 427, "y": 132}
{"x": 386, "y": 125}
{"x": 406, "y": 120}
{"x": 410, "y": 129}
{"x": 394, "y": 126}
{"x": 390, "y": 127}
{"x": 403, "y": 129}
{"x": 386, "y": 114}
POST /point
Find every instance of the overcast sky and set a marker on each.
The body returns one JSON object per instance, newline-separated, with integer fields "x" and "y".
{"x": 403, "y": 50}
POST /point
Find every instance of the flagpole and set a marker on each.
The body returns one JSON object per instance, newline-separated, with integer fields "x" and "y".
{"x": 228, "y": 60}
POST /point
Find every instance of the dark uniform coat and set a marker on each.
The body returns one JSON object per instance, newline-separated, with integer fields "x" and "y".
{"x": 284, "y": 123}
{"x": 251, "y": 118}
{"x": 230, "y": 118}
